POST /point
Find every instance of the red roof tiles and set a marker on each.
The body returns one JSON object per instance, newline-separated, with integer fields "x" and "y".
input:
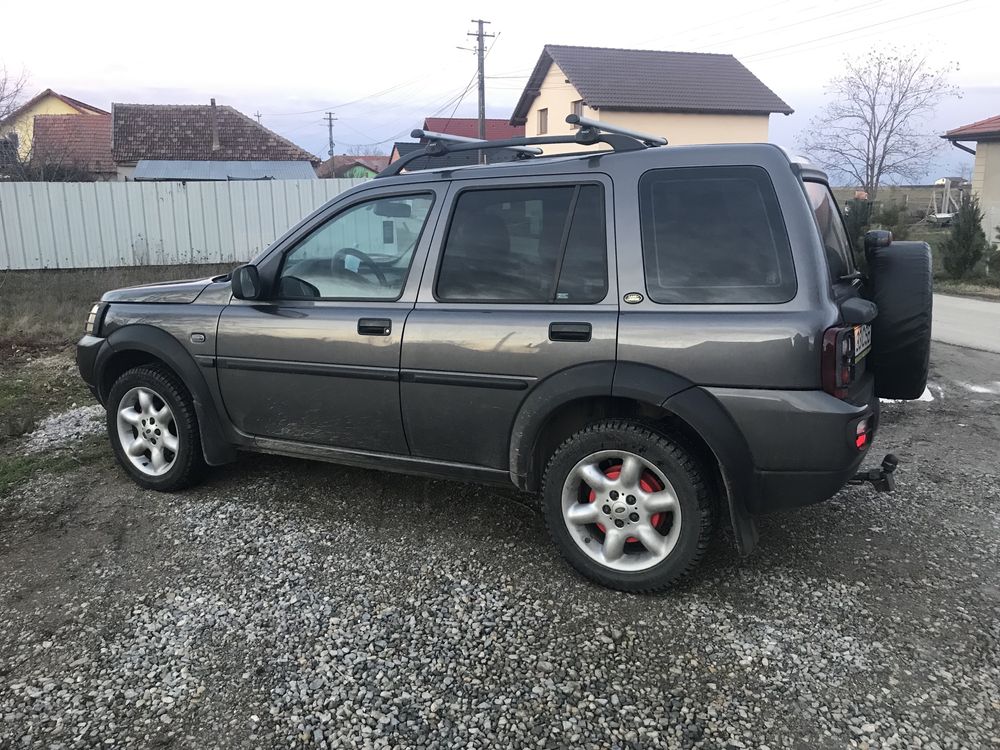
{"x": 496, "y": 129}
{"x": 988, "y": 128}
{"x": 82, "y": 141}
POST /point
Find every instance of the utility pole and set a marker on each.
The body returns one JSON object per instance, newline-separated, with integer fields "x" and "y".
{"x": 257, "y": 115}
{"x": 480, "y": 50}
{"x": 329, "y": 126}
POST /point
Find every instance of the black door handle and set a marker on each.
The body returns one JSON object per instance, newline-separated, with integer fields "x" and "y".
{"x": 374, "y": 327}
{"x": 569, "y": 331}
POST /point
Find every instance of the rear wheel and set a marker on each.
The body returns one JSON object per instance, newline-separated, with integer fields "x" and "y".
{"x": 154, "y": 430}
{"x": 627, "y": 507}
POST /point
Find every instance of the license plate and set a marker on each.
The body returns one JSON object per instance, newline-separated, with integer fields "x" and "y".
{"x": 862, "y": 340}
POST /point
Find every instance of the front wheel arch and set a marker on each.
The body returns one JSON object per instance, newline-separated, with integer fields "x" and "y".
{"x": 138, "y": 344}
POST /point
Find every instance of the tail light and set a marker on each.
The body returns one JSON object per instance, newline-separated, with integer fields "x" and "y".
{"x": 838, "y": 360}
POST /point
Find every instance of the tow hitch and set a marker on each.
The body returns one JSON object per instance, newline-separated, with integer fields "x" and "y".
{"x": 881, "y": 478}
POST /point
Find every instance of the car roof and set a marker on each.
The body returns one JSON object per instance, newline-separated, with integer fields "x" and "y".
{"x": 606, "y": 160}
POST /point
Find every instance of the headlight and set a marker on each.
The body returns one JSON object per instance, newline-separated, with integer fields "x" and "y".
{"x": 91, "y": 327}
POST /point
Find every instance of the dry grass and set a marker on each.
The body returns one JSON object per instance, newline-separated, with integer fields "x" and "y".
{"x": 41, "y": 309}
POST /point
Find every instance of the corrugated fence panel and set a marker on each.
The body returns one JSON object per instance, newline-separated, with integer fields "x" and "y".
{"x": 95, "y": 224}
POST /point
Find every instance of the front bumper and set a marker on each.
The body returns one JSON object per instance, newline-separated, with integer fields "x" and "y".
{"x": 802, "y": 442}
{"x": 87, "y": 349}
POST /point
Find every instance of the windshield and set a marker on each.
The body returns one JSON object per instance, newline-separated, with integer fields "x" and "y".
{"x": 831, "y": 229}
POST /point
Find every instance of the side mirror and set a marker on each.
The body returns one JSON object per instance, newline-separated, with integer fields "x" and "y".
{"x": 876, "y": 238}
{"x": 246, "y": 282}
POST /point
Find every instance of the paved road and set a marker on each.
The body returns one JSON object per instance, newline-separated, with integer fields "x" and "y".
{"x": 967, "y": 322}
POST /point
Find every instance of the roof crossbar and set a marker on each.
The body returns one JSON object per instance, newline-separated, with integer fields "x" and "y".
{"x": 597, "y": 125}
{"x": 591, "y": 132}
{"x": 430, "y": 135}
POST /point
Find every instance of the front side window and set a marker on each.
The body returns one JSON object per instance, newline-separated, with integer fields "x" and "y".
{"x": 714, "y": 235}
{"x": 831, "y": 230}
{"x": 524, "y": 245}
{"x": 362, "y": 253}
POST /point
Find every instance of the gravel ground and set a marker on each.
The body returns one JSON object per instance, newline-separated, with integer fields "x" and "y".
{"x": 294, "y": 604}
{"x": 62, "y": 430}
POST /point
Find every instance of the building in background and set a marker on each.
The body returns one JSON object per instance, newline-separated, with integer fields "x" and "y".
{"x": 986, "y": 170}
{"x": 76, "y": 147}
{"x": 201, "y": 142}
{"x": 358, "y": 167}
{"x": 18, "y": 128}
{"x": 686, "y": 97}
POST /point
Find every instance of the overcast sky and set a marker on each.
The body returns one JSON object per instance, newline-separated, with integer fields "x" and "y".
{"x": 383, "y": 67}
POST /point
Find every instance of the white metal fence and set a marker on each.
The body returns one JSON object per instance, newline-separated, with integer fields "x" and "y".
{"x": 96, "y": 224}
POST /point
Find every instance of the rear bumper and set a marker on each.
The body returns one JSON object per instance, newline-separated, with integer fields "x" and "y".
{"x": 802, "y": 442}
{"x": 87, "y": 349}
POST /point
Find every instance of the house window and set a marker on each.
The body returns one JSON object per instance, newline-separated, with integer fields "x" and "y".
{"x": 543, "y": 121}
{"x": 577, "y": 110}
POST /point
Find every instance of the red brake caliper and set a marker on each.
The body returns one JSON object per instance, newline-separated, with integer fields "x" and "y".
{"x": 648, "y": 482}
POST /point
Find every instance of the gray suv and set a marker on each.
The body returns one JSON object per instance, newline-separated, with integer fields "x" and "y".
{"x": 658, "y": 340}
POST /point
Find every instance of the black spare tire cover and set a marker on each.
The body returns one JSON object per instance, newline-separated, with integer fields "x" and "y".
{"x": 900, "y": 283}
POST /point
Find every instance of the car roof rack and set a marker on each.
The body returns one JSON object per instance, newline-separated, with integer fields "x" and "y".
{"x": 590, "y": 132}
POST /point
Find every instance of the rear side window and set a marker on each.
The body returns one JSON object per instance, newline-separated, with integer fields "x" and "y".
{"x": 537, "y": 244}
{"x": 831, "y": 228}
{"x": 714, "y": 235}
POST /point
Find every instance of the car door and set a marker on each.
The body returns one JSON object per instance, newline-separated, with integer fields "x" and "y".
{"x": 516, "y": 289}
{"x": 318, "y": 361}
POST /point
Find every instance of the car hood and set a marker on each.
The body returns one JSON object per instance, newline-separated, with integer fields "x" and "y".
{"x": 178, "y": 292}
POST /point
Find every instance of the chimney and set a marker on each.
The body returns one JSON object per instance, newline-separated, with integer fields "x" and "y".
{"x": 215, "y": 128}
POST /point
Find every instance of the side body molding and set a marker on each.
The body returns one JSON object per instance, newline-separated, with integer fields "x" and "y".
{"x": 216, "y": 444}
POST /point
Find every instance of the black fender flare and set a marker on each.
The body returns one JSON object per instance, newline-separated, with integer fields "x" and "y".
{"x": 706, "y": 416}
{"x": 215, "y": 444}
{"x": 701, "y": 411}
{"x": 580, "y": 381}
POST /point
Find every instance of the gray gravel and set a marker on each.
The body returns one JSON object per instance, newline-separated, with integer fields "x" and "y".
{"x": 296, "y": 604}
{"x": 62, "y": 430}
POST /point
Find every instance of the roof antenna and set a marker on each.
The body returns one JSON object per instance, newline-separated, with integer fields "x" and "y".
{"x": 215, "y": 128}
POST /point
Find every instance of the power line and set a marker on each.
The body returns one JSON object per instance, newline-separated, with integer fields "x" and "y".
{"x": 769, "y": 54}
{"x": 811, "y": 19}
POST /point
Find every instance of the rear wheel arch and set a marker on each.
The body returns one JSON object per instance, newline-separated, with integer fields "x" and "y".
{"x": 662, "y": 400}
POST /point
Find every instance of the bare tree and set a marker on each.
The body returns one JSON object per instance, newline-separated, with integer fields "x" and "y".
{"x": 875, "y": 129}
{"x": 359, "y": 150}
{"x": 11, "y": 90}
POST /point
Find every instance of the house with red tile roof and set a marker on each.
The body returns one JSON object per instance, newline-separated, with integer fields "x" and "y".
{"x": 79, "y": 142}
{"x": 201, "y": 142}
{"x": 985, "y": 135}
{"x": 18, "y": 128}
{"x": 345, "y": 165}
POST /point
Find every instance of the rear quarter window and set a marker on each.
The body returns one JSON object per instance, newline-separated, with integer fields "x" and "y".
{"x": 714, "y": 235}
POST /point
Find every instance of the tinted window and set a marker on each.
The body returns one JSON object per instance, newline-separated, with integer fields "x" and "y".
{"x": 361, "y": 253}
{"x": 714, "y": 235}
{"x": 831, "y": 229}
{"x": 544, "y": 244}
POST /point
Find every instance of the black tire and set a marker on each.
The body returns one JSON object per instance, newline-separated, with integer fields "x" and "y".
{"x": 901, "y": 286}
{"x": 690, "y": 484}
{"x": 188, "y": 461}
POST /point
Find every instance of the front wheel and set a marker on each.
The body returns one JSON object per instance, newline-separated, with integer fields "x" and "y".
{"x": 627, "y": 506}
{"x": 154, "y": 430}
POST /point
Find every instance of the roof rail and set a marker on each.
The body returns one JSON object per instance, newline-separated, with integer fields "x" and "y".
{"x": 591, "y": 132}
